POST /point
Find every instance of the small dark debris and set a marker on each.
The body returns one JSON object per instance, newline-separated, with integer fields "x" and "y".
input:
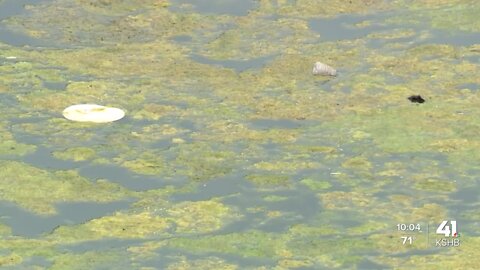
{"x": 416, "y": 99}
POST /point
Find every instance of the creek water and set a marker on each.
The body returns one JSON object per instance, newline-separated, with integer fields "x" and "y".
{"x": 326, "y": 181}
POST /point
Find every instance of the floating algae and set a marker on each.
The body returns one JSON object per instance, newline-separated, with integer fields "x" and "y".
{"x": 75, "y": 154}
{"x": 10, "y": 147}
{"x": 210, "y": 262}
{"x": 39, "y": 190}
{"x": 183, "y": 218}
{"x": 353, "y": 144}
{"x": 93, "y": 113}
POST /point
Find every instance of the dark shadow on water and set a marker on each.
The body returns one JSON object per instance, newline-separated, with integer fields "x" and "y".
{"x": 26, "y": 224}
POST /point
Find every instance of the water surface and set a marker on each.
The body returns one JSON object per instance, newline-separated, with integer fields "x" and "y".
{"x": 232, "y": 155}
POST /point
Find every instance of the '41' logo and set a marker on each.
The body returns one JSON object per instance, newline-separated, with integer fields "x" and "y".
{"x": 445, "y": 229}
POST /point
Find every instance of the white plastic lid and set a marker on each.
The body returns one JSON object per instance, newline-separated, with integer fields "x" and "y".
{"x": 93, "y": 113}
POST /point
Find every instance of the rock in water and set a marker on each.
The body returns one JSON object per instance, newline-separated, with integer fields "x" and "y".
{"x": 323, "y": 69}
{"x": 93, "y": 113}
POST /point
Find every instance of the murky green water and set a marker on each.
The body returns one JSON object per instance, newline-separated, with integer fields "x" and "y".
{"x": 232, "y": 154}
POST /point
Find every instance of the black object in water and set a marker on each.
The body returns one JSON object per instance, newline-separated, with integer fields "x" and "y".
{"x": 416, "y": 99}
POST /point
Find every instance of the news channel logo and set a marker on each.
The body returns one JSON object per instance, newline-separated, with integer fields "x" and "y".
{"x": 449, "y": 232}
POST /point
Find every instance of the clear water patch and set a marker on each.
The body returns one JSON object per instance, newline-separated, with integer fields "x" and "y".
{"x": 27, "y": 224}
{"x": 216, "y": 7}
{"x": 237, "y": 65}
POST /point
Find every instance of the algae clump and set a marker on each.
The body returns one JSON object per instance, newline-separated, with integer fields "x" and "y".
{"x": 435, "y": 185}
{"x": 201, "y": 264}
{"x": 199, "y": 217}
{"x": 201, "y": 162}
{"x": 316, "y": 185}
{"x": 360, "y": 163}
{"x": 147, "y": 163}
{"x": 268, "y": 180}
{"x": 119, "y": 225}
{"x": 91, "y": 260}
{"x": 10, "y": 260}
{"x": 10, "y": 147}
{"x": 38, "y": 190}
{"x": 182, "y": 218}
{"x": 75, "y": 154}
{"x": 247, "y": 244}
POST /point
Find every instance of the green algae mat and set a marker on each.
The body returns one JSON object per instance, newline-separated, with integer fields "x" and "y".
{"x": 232, "y": 154}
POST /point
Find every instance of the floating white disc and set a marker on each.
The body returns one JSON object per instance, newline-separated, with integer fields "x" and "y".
{"x": 93, "y": 113}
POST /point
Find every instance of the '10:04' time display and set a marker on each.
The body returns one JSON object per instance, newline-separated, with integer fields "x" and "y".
{"x": 408, "y": 227}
